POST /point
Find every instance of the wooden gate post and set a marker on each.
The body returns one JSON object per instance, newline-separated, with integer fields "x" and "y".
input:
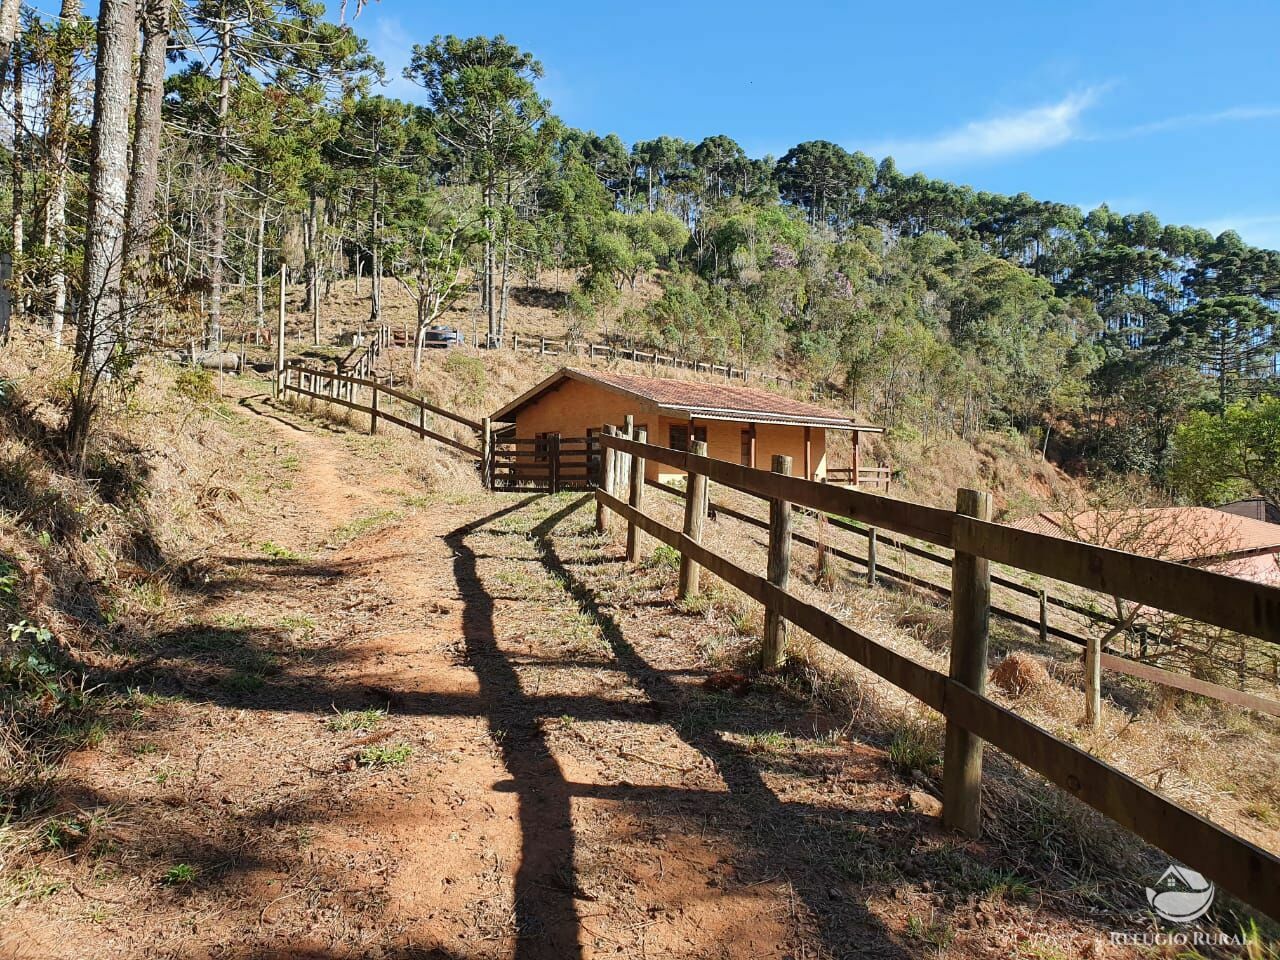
{"x": 773, "y": 648}
{"x": 636, "y": 497}
{"x": 873, "y": 539}
{"x": 970, "y": 628}
{"x": 606, "y": 479}
{"x": 486, "y": 452}
{"x": 622, "y": 461}
{"x": 373, "y": 411}
{"x": 1044, "y": 616}
{"x": 695, "y": 512}
{"x": 553, "y": 460}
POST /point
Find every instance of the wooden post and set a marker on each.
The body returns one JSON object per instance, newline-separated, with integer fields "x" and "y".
{"x": 822, "y": 568}
{"x": 373, "y": 411}
{"x": 808, "y": 453}
{"x": 872, "y": 540}
{"x": 486, "y": 452}
{"x": 773, "y": 648}
{"x": 606, "y": 479}
{"x": 622, "y": 462}
{"x": 636, "y": 497}
{"x": 553, "y": 460}
{"x": 970, "y": 628}
{"x": 1093, "y": 682}
{"x": 855, "y": 463}
{"x": 284, "y": 271}
{"x": 422, "y": 423}
{"x": 542, "y": 346}
{"x": 1044, "y": 616}
{"x": 695, "y": 512}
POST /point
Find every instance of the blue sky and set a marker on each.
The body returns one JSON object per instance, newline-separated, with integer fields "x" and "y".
{"x": 1171, "y": 107}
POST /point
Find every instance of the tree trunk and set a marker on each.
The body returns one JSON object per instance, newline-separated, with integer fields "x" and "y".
{"x": 490, "y": 304}
{"x": 144, "y": 174}
{"x": 504, "y": 282}
{"x": 218, "y": 223}
{"x": 375, "y": 267}
{"x": 58, "y": 135}
{"x": 9, "y": 10}
{"x": 313, "y": 265}
{"x": 104, "y": 235}
{"x": 17, "y": 159}
{"x": 259, "y": 295}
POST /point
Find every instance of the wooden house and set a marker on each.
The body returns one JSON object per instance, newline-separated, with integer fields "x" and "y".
{"x": 738, "y": 423}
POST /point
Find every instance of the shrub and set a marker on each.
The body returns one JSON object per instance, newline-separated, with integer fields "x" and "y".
{"x": 195, "y": 383}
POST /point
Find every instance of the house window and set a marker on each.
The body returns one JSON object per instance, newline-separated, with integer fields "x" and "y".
{"x": 679, "y": 436}
{"x": 540, "y": 447}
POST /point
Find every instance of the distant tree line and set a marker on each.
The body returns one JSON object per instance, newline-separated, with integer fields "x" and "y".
{"x": 146, "y": 206}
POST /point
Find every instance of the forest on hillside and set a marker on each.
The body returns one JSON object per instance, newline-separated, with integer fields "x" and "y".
{"x": 166, "y": 161}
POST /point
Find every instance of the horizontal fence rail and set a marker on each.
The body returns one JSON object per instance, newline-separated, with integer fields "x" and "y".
{"x": 1115, "y": 664}
{"x": 1213, "y": 598}
{"x": 1251, "y": 873}
{"x": 548, "y": 464}
{"x": 345, "y": 390}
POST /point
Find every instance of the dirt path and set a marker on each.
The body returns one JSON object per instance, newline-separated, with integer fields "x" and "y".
{"x": 407, "y": 725}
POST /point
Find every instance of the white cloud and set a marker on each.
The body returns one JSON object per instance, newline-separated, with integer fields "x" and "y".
{"x": 1189, "y": 120}
{"x": 1024, "y": 131}
{"x": 391, "y": 43}
{"x": 1261, "y": 230}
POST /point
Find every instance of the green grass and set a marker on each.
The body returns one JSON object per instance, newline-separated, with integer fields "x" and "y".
{"x": 385, "y": 756}
{"x": 932, "y": 932}
{"x": 664, "y": 557}
{"x": 1005, "y": 885}
{"x": 29, "y": 884}
{"x": 178, "y": 875}
{"x": 360, "y": 720}
{"x": 914, "y": 746}
{"x": 302, "y": 624}
{"x": 771, "y": 741}
{"x": 365, "y": 524}
{"x": 242, "y": 682}
{"x": 277, "y": 552}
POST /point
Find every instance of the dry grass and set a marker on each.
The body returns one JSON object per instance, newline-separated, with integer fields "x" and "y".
{"x": 1220, "y": 761}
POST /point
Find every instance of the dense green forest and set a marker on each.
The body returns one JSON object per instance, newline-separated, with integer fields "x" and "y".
{"x": 1115, "y": 341}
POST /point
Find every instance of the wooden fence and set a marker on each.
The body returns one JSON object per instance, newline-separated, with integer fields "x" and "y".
{"x": 655, "y": 358}
{"x": 547, "y": 464}
{"x": 1241, "y": 867}
{"x": 362, "y": 358}
{"x": 876, "y": 568}
{"x": 880, "y": 475}
{"x": 344, "y": 390}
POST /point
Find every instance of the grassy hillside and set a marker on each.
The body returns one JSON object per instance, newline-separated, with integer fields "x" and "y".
{"x": 928, "y": 468}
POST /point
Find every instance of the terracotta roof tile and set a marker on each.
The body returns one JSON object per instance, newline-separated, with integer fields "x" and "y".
{"x": 727, "y": 399}
{"x": 1168, "y": 533}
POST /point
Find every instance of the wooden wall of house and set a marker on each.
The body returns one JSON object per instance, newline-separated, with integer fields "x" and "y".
{"x": 575, "y": 407}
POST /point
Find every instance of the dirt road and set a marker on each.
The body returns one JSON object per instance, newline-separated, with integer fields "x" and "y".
{"x": 397, "y": 723}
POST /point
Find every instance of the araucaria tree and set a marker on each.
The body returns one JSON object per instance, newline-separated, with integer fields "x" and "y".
{"x": 490, "y": 118}
{"x": 1111, "y": 341}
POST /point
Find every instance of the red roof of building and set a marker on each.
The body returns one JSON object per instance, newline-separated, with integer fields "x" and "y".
{"x": 691, "y": 398}
{"x": 1180, "y": 534}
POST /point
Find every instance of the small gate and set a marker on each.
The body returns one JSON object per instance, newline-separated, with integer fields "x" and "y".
{"x": 547, "y": 464}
